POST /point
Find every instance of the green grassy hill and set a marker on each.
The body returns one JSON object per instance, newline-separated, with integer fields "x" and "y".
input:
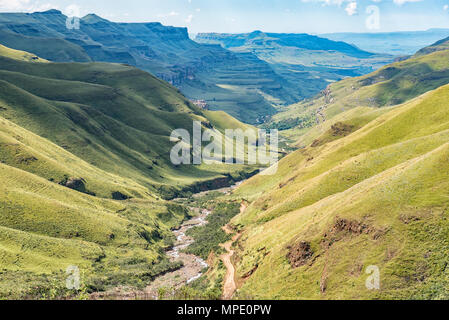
{"x": 47, "y": 226}
{"x": 389, "y": 86}
{"x": 372, "y": 190}
{"x": 84, "y": 165}
{"x": 116, "y": 118}
{"x": 19, "y": 55}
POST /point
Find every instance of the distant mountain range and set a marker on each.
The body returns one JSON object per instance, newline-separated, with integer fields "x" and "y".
{"x": 308, "y": 61}
{"x": 245, "y": 85}
{"x": 396, "y": 43}
{"x": 325, "y": 59}
{"x": 390, "y": 85}
{"x": 258, "y": 38}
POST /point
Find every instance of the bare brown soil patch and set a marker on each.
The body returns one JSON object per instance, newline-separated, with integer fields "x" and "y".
{"x": 230, "y": 286}
{"x": 337, "y": 130}
{"x": 343, "y": 228}
{"x": 299, "y": 254}
{"x": 341, "y": 129}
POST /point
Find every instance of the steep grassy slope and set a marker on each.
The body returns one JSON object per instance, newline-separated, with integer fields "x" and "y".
{"x": 377, "y": 196}
{"x": 46, "y": 227}
{"x": 222, "y": 121}
{"x": 114, "y": 117}
{"x": 19, "y": 55}
{"x": 390, "y": 85}
{"x": 84, "y": 162}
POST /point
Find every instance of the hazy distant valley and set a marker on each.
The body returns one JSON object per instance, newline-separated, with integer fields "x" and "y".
{"x": 395, "y": 43}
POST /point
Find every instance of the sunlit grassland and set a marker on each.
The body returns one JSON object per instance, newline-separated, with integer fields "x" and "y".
{"x": 114, "y": 117}
{"x": 107, "y": 127}
{"x": 391, "y": 85}
{"x": 389, "y": 178}
{"x": 19, "y": 55}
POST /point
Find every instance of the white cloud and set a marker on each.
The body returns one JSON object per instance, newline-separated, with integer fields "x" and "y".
{"x": 340, "y": 2}
{"x": 24, "y": 6}
{"x": 170, "y": 14}
{"x": 351, "y": 8}
{"x": 328, "y": 2}
{"x": 401, "y": 2}
{"x": 73, "y": 11}
{"x": 189, "y": 18}
{"x": 445, "y": 7}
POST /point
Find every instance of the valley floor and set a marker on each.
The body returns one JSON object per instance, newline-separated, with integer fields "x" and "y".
{"x": 191, "y": 270}
{"x": 171, "y": 284}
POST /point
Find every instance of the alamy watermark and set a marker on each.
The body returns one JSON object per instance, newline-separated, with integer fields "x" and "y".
{"x": 373, "y": 281}
{"x": 373, "y": 20}
{"x": 252, "y": 147}
{"x": 73, "y": 278}
{"x": 73, "y": 21}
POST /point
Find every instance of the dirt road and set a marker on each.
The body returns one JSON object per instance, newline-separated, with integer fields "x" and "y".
{"x": 192, "y": 269}
{"x": 229, "y": 284}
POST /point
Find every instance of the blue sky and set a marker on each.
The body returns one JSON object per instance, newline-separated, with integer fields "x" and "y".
{"x": 311, "y": 16}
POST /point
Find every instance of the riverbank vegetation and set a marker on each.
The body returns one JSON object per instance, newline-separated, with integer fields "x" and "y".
{"x": 209, "y": 237}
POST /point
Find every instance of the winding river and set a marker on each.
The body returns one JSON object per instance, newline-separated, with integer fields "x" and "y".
{"x": 192, "y": 269}
{"x": 193, "y": 265}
